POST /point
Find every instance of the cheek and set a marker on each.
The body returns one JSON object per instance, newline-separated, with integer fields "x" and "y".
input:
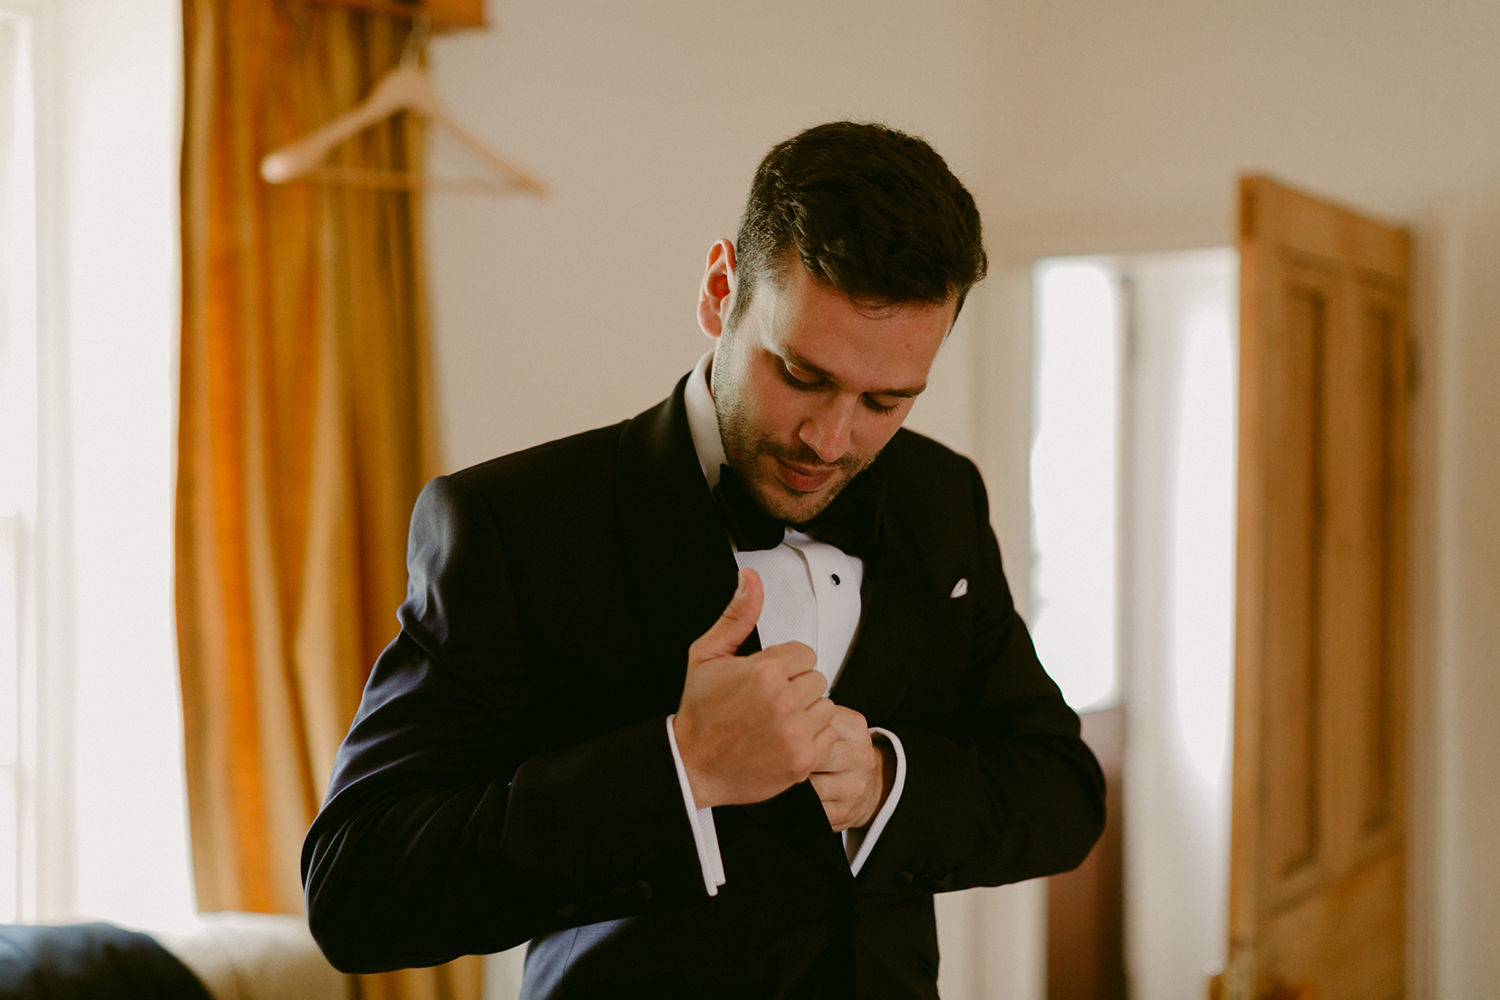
{"x": 778, "y": 408}
{"x": 872, "y": 431}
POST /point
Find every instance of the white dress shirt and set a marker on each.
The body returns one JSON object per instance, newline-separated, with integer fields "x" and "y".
{"x": 811, "y": 596}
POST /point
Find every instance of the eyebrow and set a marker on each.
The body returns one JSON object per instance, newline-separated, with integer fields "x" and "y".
{"x": 796, "y": 359}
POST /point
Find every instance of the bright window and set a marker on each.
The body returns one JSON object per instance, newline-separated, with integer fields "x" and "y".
{"x": 18, "y": 454}
{"x": 92, "y": 818}
{"x": 1075, "y": 480}
{"x": 1133, "y": 493}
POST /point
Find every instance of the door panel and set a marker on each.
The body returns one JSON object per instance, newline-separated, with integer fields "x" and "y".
{"x": 1317, "y": 857}
{"x": 1290, "y": 745}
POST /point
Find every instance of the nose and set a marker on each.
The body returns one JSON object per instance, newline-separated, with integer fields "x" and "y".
{"x": 827, "y": 430}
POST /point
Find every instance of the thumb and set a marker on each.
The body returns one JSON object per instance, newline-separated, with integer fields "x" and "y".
{"x": 734, "y": 625}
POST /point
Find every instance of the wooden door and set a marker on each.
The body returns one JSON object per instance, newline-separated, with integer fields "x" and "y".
{"x": 1086, "y": 906}
{"x": 1317, "y": 852}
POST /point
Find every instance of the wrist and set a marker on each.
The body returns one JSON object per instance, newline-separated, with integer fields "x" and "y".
{"x": 705, "y": 792}
{"x": 884, "y": 779}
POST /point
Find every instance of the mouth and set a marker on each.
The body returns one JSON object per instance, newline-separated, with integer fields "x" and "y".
{"x": 803, "y": 479}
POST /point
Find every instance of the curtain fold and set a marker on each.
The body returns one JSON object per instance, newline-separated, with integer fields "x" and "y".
{"x": 305, "y": 431}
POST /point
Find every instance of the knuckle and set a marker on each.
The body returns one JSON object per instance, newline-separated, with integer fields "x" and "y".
{"x": 795, "y": 753}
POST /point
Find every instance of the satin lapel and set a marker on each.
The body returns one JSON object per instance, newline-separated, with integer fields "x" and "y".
{"x": 677, "y": 558}
{"x": 900, "y": 610}
{"x": 682, "y": 572}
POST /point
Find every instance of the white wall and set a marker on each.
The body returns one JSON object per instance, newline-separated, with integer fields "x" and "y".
{"x": 1083, "y": 126}
{"x": 1464, "y": 376}
{"x": 1149, "y": 106}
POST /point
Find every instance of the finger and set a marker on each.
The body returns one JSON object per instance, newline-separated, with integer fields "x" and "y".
{"x": 849, "y": 722}
{"x": 832, "y": 807}
{"x": 795, "y": 658}
{"x": 832, "y": 762}
{"x": 833, "y": 788}
{"x": 828, "y": 786}
{"x": 851, "y": 727}
{"x": 734, "y": 626}
{"x": 822, "y": 753}
{"x": 841, "y": 758}
{"x": 820, "y": 714}
{"x": 808, "y": 689}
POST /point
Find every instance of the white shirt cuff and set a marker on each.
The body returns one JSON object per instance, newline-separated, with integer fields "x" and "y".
{"x": 859, "y": 843}
{"x": 705, "y": 837}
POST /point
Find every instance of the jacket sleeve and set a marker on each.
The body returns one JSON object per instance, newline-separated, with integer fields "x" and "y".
{"x": 449, "y": 828}
{"x": 1007, "y": 791}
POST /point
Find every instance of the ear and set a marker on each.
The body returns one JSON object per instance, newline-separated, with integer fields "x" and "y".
{"x": 716, "y": 296}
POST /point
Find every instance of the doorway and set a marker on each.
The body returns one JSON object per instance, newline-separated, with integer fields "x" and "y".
{"x": 1133, "y": 514}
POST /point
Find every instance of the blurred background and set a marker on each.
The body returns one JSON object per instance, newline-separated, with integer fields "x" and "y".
{"x": 1102, "y": 142}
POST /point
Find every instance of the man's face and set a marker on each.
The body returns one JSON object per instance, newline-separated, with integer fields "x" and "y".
{"x": 809, "y": 386}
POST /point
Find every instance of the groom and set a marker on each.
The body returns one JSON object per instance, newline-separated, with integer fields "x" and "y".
{"x": 711, "y": 702}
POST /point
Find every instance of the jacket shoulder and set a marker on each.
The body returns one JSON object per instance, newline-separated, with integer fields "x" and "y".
{"x": 939, "y": 494}
{"x": 560, "y": 489}
{"x": 916, "y": 463}
{"x": 551, "y": 476}
{"x": 567, "y": 455}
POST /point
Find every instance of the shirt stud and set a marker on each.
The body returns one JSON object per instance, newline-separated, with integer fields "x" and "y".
{"x": 835, "y": 579}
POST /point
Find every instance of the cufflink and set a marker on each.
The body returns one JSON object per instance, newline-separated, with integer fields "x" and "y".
{"x": 961, "y": 587}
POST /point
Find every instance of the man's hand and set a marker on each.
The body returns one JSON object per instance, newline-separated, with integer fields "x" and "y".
{"x": 855, "y": 778}
{"x": 750, "y": 727}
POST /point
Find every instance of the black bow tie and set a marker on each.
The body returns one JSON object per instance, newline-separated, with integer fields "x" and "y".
{"x": 851, "y": 522}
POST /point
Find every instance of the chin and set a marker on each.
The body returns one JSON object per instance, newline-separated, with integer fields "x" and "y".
{"x": 781, "y": 501}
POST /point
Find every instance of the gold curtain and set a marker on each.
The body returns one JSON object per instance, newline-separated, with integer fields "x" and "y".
{"x": 306, "y": 430}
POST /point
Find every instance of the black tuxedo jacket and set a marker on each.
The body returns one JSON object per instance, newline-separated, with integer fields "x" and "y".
{"x": 508, "y": 775}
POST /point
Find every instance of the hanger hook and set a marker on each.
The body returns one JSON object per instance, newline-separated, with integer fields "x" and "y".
{"x": 421, "y": 30}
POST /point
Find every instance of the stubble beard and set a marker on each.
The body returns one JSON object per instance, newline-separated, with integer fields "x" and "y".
{"x": 744, "y": 448}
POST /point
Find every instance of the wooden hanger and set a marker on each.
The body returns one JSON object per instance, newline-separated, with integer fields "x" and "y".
{"x": 405, "y": 88}
{"x": 445, "y": 14}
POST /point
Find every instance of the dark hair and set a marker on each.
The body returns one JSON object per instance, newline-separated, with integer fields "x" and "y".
{"x": 874, "y": 212}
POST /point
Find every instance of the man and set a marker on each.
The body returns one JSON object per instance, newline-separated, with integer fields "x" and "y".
{"x": 711, "y": 702}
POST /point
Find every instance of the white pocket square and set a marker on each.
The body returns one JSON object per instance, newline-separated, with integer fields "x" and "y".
{"x": 960, "y": 588}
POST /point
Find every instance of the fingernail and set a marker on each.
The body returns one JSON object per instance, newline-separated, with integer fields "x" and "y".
{"x": 739, "y": 590}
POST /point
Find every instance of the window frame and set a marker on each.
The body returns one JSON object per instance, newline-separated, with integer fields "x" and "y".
{"x": 35, "y": 533}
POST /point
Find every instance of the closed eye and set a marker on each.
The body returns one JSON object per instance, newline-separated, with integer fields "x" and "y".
{"x": 806, "y": 381}
{"x": 798, "y": 379}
